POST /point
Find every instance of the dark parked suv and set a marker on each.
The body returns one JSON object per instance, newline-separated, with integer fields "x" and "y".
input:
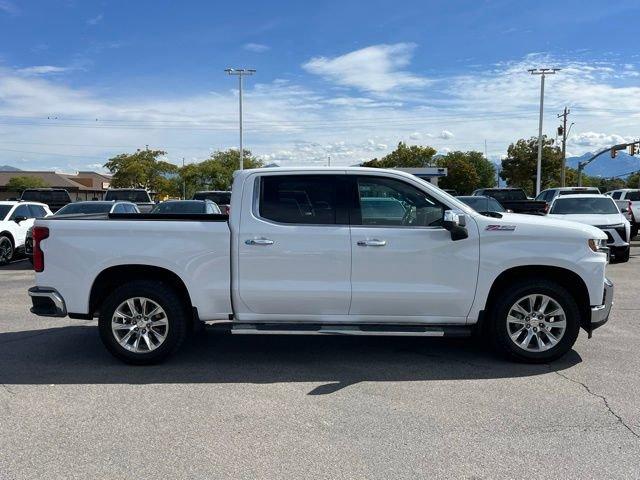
{"x": 221, "y": 198}
{"x": 55, "y": 198}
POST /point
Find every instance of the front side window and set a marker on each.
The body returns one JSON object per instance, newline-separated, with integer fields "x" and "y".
{"x": 21, "y": 211}
{"x": 37, "y": 211}
{"x": 388, "y": 202}
{"x": 298, "y": 199}
{"x": 616, "y": 195}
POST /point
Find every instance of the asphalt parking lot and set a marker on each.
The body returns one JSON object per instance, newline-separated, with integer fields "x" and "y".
{"x": 315, "y": 407}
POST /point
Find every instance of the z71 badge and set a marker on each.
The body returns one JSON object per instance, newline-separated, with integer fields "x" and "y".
{"x": 502, "y": 228}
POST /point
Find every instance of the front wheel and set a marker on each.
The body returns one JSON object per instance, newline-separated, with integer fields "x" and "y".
{"x": 535, "y": 321}
{"x": 6, "y": 250}
{"x": 142, "y": 322}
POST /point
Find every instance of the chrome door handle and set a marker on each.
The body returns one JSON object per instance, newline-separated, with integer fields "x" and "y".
{"x": 258, "y": 241}
{"x": 374, "y": 242}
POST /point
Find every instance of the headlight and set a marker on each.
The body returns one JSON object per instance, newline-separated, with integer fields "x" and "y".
{"x": 598, "y": 245}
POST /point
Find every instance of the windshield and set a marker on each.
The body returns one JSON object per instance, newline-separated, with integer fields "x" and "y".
{"x": 221, "y": 198}
{"x": 584, "y": 206}
{"x": 187, "y": 206}
{"x": 46, "y": 196}
{"x": 135, "y": 196}
{"x": 84, "y": 207}
{"x": 4, "y": 209}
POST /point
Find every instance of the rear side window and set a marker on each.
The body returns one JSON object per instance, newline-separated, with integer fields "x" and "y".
{"x": 633, "y": 196}
{"x": 301, "y": 199}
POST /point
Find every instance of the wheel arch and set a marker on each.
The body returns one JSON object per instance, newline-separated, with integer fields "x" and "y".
{"x": 114, "y": 276}
{"x": 565, "y": 277}
{"x": 9, "y": 235}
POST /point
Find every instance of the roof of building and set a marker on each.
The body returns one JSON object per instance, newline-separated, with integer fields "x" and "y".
{"x": 82, "y": 181}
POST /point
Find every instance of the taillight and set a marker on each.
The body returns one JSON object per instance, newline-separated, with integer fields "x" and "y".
{"x": 39, "y": 234}
{"x": 546, "y": 208}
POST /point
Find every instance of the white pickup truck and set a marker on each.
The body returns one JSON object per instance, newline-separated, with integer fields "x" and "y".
{"x": 347, "y": 251}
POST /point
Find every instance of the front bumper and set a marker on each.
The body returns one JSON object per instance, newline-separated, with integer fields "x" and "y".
{"x": 47, "y": 302}
{"x": 600, "y": 313}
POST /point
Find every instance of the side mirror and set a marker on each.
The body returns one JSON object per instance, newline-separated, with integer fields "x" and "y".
{"x": 19, "y": 219}
{"x": 456, "y": 224}
{"x": 624, "y": 210}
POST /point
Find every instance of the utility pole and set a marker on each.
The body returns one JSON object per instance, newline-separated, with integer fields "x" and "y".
{"x": 543, "y": 72}
{"x": 564, "y": 116}
{"x": 328, "y": 160}
{"x": 240, "y": 72}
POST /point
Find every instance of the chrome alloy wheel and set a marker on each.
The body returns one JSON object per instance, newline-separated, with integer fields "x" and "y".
{"x": 140, "y": 325}
{"x": 536, "y": 323}
{"x": 6, "y": 250}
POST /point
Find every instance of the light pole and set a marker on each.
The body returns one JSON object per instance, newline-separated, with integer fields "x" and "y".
{"x": 542, "y": 72}
{"x": 240, "y": 72}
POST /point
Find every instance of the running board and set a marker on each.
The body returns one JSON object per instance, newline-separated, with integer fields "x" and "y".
{"x": 353, "y": 329}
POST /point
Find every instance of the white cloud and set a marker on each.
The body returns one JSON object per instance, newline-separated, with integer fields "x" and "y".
{"x": 293, "y": 124}
{"x": 595, "y": 140}
{"x": 256, "y": 47}
{"x": 41, "y": 70}
{"x": 378, "y": 68}
{"x": 446, "y": 135}
{"x": 95, "y": 20}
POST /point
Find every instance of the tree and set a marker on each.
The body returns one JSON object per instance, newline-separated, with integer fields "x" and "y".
{"x": 466, "y": 171}
{"x": 216, "y": 173}
{"x": 633, "y": 181}
{"x": 22, "y": 182}
{"x": 404, "y": 156}
{"x": 519, "y": 168}
{"x": 142, "y": 169}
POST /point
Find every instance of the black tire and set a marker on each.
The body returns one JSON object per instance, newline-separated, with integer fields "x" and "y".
{"x": 498, "y": 330}
{"x": 166, "y": 298}
{"x": 634, "y": 230}
{"x": 6, "y": 250}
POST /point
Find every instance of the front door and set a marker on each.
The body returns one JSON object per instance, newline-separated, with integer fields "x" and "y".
{"x": 405, "y": 267}
{"x": 21, "y": 228}
{"x": 294, "y": 252}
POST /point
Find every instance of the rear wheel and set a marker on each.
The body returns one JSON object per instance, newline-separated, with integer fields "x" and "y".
{"x": 142, "y": 322}
{"x": 534, "y": 321}
{"x": 6, "y": 250}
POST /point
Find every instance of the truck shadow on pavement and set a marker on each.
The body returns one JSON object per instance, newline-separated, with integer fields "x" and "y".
{"x": 75, "y": 355}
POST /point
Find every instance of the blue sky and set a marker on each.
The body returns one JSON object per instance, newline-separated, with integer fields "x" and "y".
{"x": 81, "y": 81}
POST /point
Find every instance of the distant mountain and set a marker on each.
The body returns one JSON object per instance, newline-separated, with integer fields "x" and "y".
{"x": 605, "y": 166}
{"x": 9, "y": 168}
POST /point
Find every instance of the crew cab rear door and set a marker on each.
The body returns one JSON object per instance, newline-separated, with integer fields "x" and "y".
{"x": 293, "y": 246}
{"x": 405, "y": 266}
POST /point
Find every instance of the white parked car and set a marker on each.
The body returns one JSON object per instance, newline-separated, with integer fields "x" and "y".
{"x": 600, "y": 211}
{"x": 345, "y": 251}
{"x": 632, "y": 195}
{"x": 15, "y": 219}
